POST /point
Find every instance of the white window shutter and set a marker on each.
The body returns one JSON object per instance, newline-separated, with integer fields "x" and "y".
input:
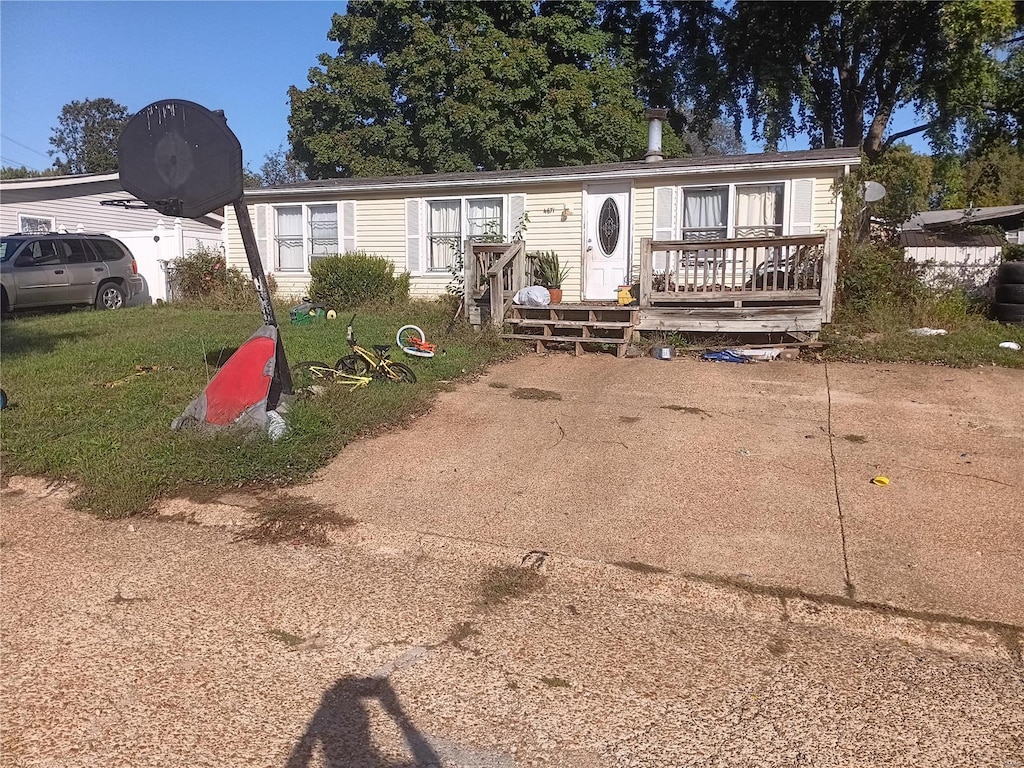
{"x": 664, "y": 220}
{"x": 348, "y": 226}
{"x": 414, "y": 235}
{"x": 802, "y": 207}
{"x": 261, "y": 213}
{"x": 516, "y": 212}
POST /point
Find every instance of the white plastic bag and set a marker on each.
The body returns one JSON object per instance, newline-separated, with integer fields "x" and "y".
{"x": 532, "y": 296}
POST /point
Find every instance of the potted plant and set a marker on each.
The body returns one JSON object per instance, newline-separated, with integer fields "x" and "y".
{"x": 548, "y": 272}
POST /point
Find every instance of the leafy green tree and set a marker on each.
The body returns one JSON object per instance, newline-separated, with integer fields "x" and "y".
{"x": 839, "y": 70}
{"x": 85, "y": 139}
{"x": 422, "y": 86}
{"x": 992, "y": 176}
{"x": 281, "y": 167}
{"x": 908, "y": 181}
{"x": 10, "y": 173}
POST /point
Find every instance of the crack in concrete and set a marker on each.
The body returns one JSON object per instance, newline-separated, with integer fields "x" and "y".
{"x": 851, "y": 590}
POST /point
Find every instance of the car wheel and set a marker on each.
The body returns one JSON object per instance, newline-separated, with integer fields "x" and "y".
{"x": 111, "y": 296}
{"x": 5, "y": 304}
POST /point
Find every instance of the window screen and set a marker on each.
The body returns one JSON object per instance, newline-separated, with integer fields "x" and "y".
{"x": 445, "y": 236}
{"x": 288, "y": 239}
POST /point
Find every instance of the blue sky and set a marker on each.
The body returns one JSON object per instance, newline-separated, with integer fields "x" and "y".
{"x": 240, "y": 57}
{"x": 237, "y": 56}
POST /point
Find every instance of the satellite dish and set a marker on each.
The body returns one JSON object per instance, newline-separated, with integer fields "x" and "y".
{"x": 873, "y": 191}
{"x": 180, "y": 159}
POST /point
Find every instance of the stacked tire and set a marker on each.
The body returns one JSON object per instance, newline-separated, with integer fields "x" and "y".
{"x": 1009, "y": 306}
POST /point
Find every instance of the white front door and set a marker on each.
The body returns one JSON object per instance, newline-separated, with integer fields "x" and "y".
{"x": 606, "y": 251}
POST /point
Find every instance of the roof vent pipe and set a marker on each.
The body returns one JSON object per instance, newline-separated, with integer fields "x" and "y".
{"x": 654, "y": 118}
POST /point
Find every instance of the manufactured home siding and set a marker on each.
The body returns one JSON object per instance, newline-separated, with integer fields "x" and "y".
{"x": 546, "y": 231}
{"x": 73, "y": 211}
{"x": 825, "y": 203}
{"x": 557, "y": 206}
{"x": 289, "y": 284}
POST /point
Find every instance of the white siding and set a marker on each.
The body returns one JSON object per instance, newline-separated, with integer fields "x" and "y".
{"x": 76, "y": 206}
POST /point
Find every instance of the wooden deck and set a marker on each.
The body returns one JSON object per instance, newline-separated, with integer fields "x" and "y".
{"x": 750, "y": 285}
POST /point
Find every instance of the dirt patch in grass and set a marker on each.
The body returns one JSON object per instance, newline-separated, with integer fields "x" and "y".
{"x": 529, "y": 393}
{"x": 293, "y": 520}
{"x": 692, "y": 410}
{"x": 508, "y": 582}
{"x": 859, "y": 439}
{"x": 636, "y": 565}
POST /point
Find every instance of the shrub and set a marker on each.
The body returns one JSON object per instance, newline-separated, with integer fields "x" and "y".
{"x": 871, "y": 274}
{"x": 1013, "y": 252}
{"x": 357, "y": 278}
{"x": 202, "y": 276}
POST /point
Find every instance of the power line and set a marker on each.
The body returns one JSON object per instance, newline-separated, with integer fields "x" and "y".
{"x": 24, "y": 146}
{"x": 15, "y": 164}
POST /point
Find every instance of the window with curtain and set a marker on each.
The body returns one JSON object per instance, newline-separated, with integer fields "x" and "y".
{"x": 705, "y": 213}
{"x": 444, "y": 237}
{"x": 323, "y": 231}
{"x": 484, "y": 218}
{"x": 758, "y": 210}
{"x": 288, "y": 239}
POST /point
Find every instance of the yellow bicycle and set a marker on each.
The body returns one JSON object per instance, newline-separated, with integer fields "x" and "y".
{"x": 314, "y": 372}
{"x": 363, "y": 362}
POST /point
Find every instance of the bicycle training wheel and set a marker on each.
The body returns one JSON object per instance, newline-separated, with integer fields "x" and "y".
{"x": 312, "y": 372}
{"x": 408, "y": 334}
{"x": 399, "y": 372}
{"x": 353, "y": 364}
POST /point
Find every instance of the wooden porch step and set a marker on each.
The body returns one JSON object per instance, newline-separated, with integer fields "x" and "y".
{"x": 576, "y": 341}
{"x": 540, "y": 322}
{"x": 580, "y": 339}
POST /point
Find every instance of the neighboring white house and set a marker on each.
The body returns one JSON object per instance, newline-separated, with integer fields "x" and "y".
{"x": 95, "y": 203}
{"x": 593, "y": 216}
{"x": 948, "y": 253}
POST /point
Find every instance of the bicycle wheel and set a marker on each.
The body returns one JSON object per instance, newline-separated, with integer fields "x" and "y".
{"x": 353, "y": 364}
{"x": 408, "y": 334}
{"x": 312, "y": 372}
{"x": 398, "y": 372}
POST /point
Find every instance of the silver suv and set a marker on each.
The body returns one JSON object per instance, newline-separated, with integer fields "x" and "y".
{"x": 51, "y": 269}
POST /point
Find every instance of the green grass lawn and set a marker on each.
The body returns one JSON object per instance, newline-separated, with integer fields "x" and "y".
{"x": 971, "y": 340}
{"x": 66, "y": 422}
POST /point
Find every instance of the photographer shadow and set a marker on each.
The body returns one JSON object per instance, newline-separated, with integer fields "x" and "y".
{"x": 341, "y": 727}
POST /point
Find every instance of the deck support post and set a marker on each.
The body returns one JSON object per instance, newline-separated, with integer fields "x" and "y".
{"x": 646, "y": 272}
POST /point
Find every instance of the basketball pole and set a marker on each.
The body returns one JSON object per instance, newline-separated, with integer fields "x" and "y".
{"x": 252, "y": 253}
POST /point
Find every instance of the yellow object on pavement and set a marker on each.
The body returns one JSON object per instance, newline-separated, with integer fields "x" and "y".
{"x": 880, "y": 480}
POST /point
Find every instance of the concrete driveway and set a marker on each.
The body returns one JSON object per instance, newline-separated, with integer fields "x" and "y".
{"x": 704, "y": 603}
{"x": 758, "y": 474}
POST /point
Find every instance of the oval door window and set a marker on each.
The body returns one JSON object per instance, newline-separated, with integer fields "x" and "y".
{"x": 608, "y": 226}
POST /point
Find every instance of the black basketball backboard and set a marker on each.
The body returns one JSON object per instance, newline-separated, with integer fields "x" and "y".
{"x": 180, "y": 158}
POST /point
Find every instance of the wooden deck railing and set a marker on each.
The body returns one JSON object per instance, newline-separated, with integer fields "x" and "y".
{"x": 497, "y": 268}
{"x": 795, "y": 268}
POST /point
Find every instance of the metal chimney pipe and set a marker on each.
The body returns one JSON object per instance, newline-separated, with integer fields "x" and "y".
{"x": 654, "y": 118}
